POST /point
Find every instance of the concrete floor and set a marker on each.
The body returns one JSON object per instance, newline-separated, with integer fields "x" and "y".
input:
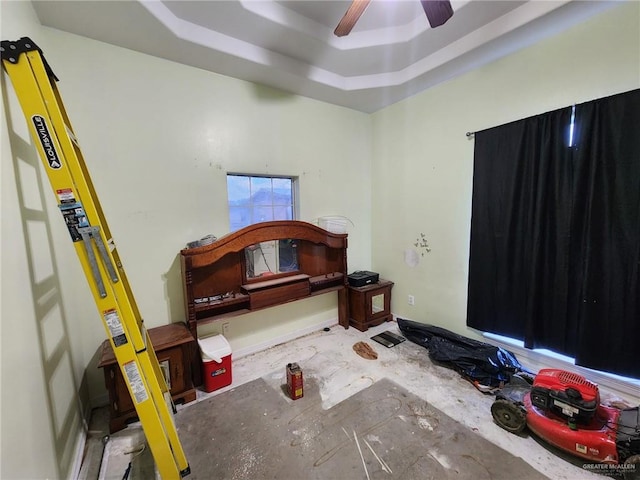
{"x": 328, "y": 360}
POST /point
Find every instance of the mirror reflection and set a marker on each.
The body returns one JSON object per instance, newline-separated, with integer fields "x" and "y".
{"x": 377, "y": 303}
{"x": 271, "y": 258}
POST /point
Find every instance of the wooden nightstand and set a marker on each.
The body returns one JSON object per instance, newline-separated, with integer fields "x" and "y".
{"x": 174, "y": 346}
{"x": 370, "y": 305}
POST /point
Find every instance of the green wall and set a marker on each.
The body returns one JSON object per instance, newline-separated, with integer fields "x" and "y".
{"x": 423, "y": 160}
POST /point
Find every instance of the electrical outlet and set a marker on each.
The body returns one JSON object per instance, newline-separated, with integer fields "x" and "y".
{"x": 225, "y": 328}
{"x": 412, "y": 300}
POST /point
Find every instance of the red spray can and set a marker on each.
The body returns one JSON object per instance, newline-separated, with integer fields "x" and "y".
{"x": 294, "y": 381}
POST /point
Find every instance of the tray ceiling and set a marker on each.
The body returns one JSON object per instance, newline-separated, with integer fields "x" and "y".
{"x": 391, "y": 54}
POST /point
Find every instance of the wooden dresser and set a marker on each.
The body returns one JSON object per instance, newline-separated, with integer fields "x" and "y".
{"x": 175, "y": 347}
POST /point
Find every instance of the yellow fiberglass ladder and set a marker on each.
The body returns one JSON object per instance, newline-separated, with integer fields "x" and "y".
{"x": 41, "y": 103}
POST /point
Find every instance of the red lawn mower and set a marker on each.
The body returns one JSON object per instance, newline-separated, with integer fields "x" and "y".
{"x": 564, "y": 409}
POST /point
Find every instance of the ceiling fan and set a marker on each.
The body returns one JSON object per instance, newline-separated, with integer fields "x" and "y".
{"x": 437, "y": 11}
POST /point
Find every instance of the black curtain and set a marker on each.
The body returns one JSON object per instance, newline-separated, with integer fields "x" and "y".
{"x": 555, "y": 233}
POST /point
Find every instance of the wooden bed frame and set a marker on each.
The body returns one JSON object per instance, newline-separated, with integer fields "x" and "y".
{"x": 216, "y": 285}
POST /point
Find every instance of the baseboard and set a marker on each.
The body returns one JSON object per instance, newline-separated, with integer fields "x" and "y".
{"x": 243, "y": 352}
{"x": 80, "y": 443}
{"x": 625, "y": 388}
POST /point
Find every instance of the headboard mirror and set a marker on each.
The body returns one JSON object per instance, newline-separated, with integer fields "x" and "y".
{"x": 273, "y": 257}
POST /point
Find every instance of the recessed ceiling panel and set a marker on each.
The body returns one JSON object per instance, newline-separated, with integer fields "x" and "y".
{"x": 391, "y": 53}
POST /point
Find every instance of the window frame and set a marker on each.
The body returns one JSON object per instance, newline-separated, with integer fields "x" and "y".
{"x": 295, "y": 209}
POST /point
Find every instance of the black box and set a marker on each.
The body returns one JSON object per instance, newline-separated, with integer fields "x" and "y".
{"x": 362, "y": 278}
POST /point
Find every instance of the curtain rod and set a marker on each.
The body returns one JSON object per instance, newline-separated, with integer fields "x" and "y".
{"x": 573, "y": 106}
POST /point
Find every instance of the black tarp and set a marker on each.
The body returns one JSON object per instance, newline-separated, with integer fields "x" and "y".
{"x": 479, "y": 362}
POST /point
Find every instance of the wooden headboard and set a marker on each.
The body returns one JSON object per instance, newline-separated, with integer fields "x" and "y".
{"x": 217, "y": 283}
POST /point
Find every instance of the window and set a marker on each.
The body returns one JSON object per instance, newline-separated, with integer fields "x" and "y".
{"x": 555, "y": 244}
{"x": 258, "y": 198}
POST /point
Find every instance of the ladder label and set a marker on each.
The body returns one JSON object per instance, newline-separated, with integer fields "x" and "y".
{"x": 72, "y": 212}
{"x": 65, "y": 195}
{"x": 46, "y": 141}
{"x": 135, "y": 381}
{"x": 112, "y": 320}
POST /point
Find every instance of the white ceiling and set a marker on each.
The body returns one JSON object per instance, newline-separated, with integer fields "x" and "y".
{"x": 391, "y": 54}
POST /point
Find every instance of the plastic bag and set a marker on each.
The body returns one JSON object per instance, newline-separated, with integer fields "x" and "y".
{"x": 479, "y": 362}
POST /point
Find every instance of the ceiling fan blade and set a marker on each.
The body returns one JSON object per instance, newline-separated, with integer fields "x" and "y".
{"x": 438, "y": 11}
{"x": 351, "y": 17}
